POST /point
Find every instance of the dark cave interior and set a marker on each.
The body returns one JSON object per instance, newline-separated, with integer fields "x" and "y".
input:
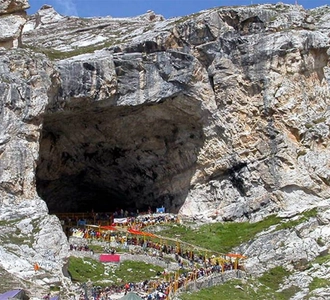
{"x": 119, "y": 157}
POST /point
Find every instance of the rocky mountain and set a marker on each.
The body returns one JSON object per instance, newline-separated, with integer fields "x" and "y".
{"x": 218, "y": 116}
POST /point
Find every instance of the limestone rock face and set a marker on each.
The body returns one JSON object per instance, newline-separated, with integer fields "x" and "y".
{"x": 13, "y": 6}
{"x": 220, "y": 116}
{"x": 12, "y": 19}
{"x": 73, "y": 33}
{"x": 28, "y": 234}
{"x": 230, "y": 112}
{"x": 299, "y": 249}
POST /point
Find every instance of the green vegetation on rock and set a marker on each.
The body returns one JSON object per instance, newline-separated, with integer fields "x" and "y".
{"x": 318, "y": 283}
{"x": 223, "y": 237}
{"x": 273, "y": 277}
{"x": 85, "y": 269}
{"x": 305, "y": 216}
{"x": 219, "y": 237}
{"x": 257, "y": 289}
{"x": 322, "y": 259}
{"x": 135, "y": 271}
{"x": 53, "y": 54}
{"x": 82, "y": 269}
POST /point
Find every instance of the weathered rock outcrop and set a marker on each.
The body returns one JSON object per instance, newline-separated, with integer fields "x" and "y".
{"x": 223, "y": 115}
{"x": 243, "y": 95}
{"x": 12, "y": 19}
{"x": 28, "y": 234}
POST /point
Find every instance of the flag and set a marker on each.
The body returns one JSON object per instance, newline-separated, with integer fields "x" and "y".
{"x": 36, "y": 267}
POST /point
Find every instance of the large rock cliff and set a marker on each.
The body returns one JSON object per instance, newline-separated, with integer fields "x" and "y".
{"x": 223, "y": 114}
{"x": 219, "y": 116}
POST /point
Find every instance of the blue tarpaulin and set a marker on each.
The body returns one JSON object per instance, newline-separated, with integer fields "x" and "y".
{"x": 17, "y": 294}
{"x": 160, "y": 210}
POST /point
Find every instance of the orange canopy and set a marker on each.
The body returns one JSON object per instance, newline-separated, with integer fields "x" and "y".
{"x": 235, "y": 255}
{"x": 133, "y": 231}
{"x": 112, "y": 228}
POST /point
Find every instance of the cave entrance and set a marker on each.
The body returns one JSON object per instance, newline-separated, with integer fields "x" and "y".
{"x": 120, "y": 157}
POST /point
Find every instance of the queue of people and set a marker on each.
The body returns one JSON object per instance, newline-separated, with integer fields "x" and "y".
{"x": 163, "y": 288}
{"x": 128, "y": 217}
{"x": 192, "y": 263}
{"x": 191, "y": 266}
